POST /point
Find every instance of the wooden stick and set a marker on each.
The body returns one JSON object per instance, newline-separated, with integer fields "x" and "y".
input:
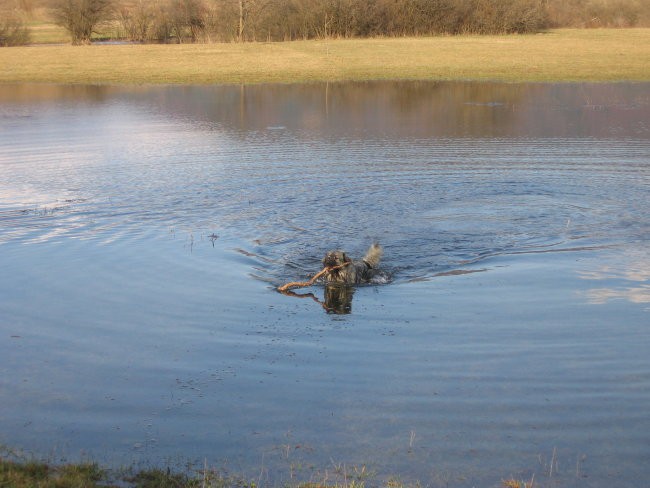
{"x": 300, "y": 284}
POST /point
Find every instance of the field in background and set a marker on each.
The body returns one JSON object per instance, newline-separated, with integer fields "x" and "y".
{"x": 47, "y": 33}
{"x": 559, "y": 55}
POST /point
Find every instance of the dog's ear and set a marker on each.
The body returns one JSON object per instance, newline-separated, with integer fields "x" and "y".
{"x": 346, "y": 259}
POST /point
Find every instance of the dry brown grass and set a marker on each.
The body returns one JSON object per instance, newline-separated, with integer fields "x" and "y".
{"x": 47, "y": 33}
{"x": 559, "y": 55}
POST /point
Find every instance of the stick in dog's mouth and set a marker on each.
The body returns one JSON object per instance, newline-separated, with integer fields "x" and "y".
{"x": 300, "y": 284}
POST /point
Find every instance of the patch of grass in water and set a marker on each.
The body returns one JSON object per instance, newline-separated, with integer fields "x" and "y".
{"x": 18, "y": 473}
{"x": 33, "y": 474}
{"x": 40, "y": 475}
{"x": 161, "y": 479}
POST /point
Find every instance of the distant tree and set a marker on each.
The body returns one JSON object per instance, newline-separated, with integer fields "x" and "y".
{"x": 81, "y": 17}
{"x": 187, "y": 19}
{"x": 136, "y": 18}
{"x": 13, "y": 31}
{"x": 248, "y": 13}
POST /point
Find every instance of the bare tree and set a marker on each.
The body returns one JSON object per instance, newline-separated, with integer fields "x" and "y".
{"x": 248, "y": 15}
{"x": 81, "y": 17}
{"x": 13, "y": 31}
{"x": 277, "y": 20}
{"x": 136, "y": 18}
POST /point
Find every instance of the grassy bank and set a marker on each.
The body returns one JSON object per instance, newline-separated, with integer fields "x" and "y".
{"x": 559, "y": 55}
{"x": 41, "y": 475}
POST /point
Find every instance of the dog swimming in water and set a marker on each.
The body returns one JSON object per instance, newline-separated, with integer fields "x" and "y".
{"x": 341, "y": 269}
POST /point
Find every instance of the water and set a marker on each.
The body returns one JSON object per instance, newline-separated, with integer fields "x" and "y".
{"x": 143, "y": 231}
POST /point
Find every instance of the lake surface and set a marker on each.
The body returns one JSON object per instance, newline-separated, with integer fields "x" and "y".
{"x": 143, "y": 231}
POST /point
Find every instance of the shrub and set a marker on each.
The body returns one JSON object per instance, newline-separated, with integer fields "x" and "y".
{"x": 136, "y": 18}
{"x": 81, "y": 17}
{"x": 504, "y": 17}
{"x": 598, "y": 13}
{"x": 13, "y": 31}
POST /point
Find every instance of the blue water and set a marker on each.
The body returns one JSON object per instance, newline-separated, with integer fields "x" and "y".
{"x": 143, "y": 232}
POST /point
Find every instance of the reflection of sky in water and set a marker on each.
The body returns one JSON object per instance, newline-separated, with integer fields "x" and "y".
{"x": 627, "y": 272}
{"x": 639, "y": 294}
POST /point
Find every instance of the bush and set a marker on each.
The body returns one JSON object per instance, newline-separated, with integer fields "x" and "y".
{"x": 165, "y": 20}
{"x": 187, "y": 19}
{"x": 81, "y": 17}
{"x": 504, "y": 17}
{"x": 136, "y": 18}
{"x": 13, "y": 31}
{"x": 598, "y": 13}
{"x": 278, "y": 20}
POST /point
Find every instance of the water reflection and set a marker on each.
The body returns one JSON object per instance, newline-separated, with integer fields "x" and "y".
{"x": 599, "y": 296}
{"x": 337, "y": 299}
{"x": 627, "y": 273}
{"x": 59, "y": 94}
{"x": 415, "y": 109}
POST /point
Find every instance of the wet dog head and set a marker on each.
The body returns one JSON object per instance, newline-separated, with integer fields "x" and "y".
{"x": 335, "y": 258}
{"x": 338, "y": 270}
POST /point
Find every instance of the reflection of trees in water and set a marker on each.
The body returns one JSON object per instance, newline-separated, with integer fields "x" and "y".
{"x": 415, "y": 109}
{"x": 36, "y": 93}
{"x": 388, "y": 110}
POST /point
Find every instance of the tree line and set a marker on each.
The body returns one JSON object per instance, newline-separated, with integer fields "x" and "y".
{"x": 182, "y": 21}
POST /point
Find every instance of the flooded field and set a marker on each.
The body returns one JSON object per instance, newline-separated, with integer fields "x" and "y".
{"x": 144, "y": 230}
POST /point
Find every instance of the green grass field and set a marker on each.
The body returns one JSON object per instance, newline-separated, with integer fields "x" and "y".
{"x": 558, "y": 55}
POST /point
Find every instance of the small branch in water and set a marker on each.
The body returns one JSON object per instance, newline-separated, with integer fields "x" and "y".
{"x": 297, "y": 284}
{"x": 300, "y": 284}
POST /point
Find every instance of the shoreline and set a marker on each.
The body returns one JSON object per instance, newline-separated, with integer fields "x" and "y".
{"x": 27, "y": 473}
{"x": 556, "y": 56}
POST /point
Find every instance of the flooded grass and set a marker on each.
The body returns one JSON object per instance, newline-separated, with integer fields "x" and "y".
{"x": 35, "y": 474}
{"x": 42, "y": 475}
{"x": 558, "y": 55}
{"x": 88, "y": 475}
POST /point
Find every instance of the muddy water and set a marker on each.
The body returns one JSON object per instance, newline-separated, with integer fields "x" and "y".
{"x": 143, "y": 230}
